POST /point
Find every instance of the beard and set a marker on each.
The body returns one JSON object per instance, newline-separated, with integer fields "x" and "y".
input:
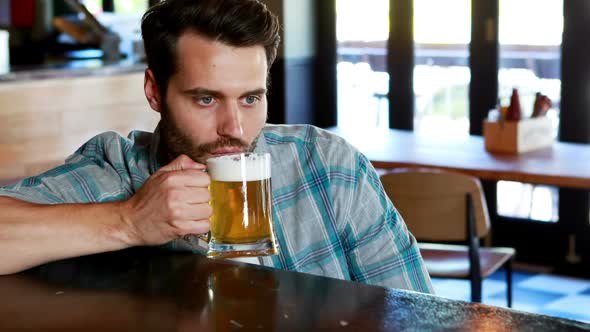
{"x": 174, "y": 142}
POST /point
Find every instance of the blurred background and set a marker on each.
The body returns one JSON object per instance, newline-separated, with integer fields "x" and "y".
{"x": 54, "y": 31}
{"x": 428, "y": 66}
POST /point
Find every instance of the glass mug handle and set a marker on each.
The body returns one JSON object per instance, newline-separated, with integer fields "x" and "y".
{"x": 205, "y": 237}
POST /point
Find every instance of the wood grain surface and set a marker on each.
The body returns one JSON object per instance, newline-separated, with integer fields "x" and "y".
{"x": 563, "y": 164}
{"x": 44, "y": 121}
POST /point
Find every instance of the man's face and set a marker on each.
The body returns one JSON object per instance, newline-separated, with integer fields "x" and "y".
{"x": 216, "y": 101}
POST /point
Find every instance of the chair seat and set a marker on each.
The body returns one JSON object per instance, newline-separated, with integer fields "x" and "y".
{"x": 452, "y": 261}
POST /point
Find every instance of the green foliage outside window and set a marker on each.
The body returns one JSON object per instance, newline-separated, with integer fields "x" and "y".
{"x": 450, "y": 101}
{"x": 131, "y": 6}
{"x": 125, "y": 7}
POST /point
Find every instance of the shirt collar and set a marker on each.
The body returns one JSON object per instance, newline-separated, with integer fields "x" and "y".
{"x": 260, "y": 143}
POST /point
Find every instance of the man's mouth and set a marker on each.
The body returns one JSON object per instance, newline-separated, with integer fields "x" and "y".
{"x": 225, "y": 151}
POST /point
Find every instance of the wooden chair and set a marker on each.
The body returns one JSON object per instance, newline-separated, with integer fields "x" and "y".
{"x": 447, "y": 207}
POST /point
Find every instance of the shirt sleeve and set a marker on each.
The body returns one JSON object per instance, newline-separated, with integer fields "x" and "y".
{"x": 86, "y": 177}
{"x": 35, "y": 189}
{"x": 379, "y": 248}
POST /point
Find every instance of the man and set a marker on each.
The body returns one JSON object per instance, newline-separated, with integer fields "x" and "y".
{"x": 208, "y": 63}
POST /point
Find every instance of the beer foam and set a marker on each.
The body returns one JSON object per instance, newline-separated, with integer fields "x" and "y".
{"x": 231, "y": 167}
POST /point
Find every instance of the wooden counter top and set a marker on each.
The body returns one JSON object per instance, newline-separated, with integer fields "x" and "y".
{"x": 72, "y": 69}
{"x": 152, "y": 290}
{"x": 563, "y": 164}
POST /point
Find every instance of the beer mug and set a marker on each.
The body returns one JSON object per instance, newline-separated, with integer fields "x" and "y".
{"x": 241, "y": 198}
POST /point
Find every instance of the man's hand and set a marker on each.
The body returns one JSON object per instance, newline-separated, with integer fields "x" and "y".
{"x": 172, "y": 203}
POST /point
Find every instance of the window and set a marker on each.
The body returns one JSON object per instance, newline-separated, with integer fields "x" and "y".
{"x": 530, "y": 60}
{"x": 528, "y": 201}
{"x": 442, "y": 33}
{"x": 131, "y": 6}
{"x": 362, "y": 79}
{"x": 93, "y": 6}
{"x": 124, "y": 7}
{"x": 530, "y": 52}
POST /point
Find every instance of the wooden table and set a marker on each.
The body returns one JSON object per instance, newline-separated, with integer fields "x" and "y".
{"x": 152, "y": 290}
{"x": 563, "y": 165}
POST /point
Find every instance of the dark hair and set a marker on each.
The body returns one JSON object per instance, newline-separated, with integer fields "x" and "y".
{"x": 239, "y": 23}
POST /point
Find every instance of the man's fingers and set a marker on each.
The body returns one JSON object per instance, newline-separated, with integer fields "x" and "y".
{"x": 194, "y": 178}
{"x": 186, "y": 227}
{"x": 182, "y": 162}
{"x": 191, "y": 196}
{"x": 187, "y": 178}
{"x": 186, "y": 211}
{"x": 199, "y": 196}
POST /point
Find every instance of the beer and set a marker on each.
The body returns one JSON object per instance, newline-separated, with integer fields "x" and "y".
{"x": 241, "y": 198}
{"x": 241, "y": 211}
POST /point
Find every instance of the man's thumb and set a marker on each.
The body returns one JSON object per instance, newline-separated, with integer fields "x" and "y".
{"x": 182, "y": 162}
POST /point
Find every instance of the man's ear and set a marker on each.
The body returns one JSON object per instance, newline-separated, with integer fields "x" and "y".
{"x": 152, "y": 93}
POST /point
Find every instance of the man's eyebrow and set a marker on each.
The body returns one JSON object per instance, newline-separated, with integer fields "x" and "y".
{"x": 208, "y": 92}
{"x": 257, "y": 92}
{"x": 202, "y": 92}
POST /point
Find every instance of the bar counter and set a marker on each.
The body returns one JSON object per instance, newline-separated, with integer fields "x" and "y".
{"x": 48, "y": 111}
{"x": 145, "y": 289}
{"x": 71, "y": 69}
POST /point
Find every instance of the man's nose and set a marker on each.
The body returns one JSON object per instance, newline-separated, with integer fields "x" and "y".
{"x": 230, "y": 121}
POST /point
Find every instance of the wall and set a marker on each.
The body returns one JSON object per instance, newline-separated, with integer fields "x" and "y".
{"x": 292, "y": 90}
{"x": 44, "y": 121}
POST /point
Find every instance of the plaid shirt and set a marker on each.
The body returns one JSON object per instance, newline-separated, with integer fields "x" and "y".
{"x": 332, "y": 216}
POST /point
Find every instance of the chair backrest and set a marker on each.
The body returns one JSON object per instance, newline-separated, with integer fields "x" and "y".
{"x": 433, "y": 203}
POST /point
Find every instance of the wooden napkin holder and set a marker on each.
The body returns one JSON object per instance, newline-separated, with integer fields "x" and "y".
{"x": 518, "y": 136}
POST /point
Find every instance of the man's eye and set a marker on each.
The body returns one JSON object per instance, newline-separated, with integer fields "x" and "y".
{"x": 250, "y": 100}
{"x": 207, "y": 100}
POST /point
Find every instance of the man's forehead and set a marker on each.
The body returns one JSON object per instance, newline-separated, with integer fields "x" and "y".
{"x": 207, "y": 64}
{"x": 191, "y": 43}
